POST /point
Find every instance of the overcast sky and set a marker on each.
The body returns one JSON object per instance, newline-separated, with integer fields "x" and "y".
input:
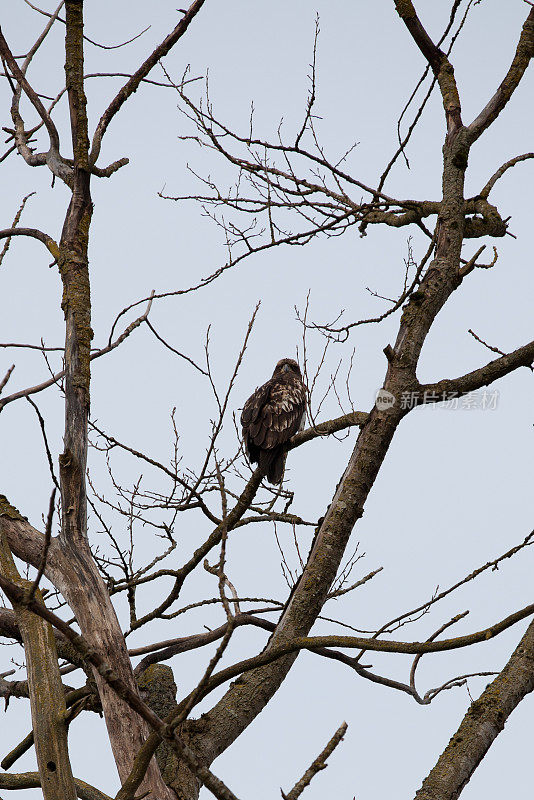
{"x": 455, "y": 489}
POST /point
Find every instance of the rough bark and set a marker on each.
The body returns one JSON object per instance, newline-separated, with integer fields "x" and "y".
{"x": 9, "y": 628}
{"x": 158, "y": 689}
{"x": 47, "y": 699}
{"x": 482, "y": 724}
{"x": 522, "y": 57}
{"x": 33, "y": 780}
{"x": 87, "y": 595}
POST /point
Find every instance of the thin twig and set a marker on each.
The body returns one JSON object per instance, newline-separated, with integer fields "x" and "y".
{"x": 46, "y": 546}
{"x": 14, "y": 224}
{"x": 317, "y": 765}
{"x": 45, "y": 440}
{"x": 489, "y": 346}
{"x": 6, "y": 377}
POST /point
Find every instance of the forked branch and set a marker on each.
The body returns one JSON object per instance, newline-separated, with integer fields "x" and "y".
{"x": 133, "y": 83}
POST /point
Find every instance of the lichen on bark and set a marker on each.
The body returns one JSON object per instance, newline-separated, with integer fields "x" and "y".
{"x": 7, "y": 510}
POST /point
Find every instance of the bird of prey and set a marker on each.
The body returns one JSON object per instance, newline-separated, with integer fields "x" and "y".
{"x": 271, "y": 416}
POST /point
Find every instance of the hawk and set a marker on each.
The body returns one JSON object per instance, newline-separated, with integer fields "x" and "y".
{"x": 271, "y": 416}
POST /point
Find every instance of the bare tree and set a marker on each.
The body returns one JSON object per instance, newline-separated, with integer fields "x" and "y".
{"x": 286, "y": 191}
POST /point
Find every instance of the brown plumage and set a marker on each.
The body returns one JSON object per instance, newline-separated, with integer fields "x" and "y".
{"x": 271, "y": 416}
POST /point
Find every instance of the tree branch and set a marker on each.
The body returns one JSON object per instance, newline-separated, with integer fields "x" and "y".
{"x": 53, "y": 158}
{"x": 354, "y": 419}
{"x": 59, "y": 375}
{"x": 498, "y": 368}
{"x": 47, "y": 698}
{"x": 510, "y": 82}
{"x": 317, "y": 765}
{"x": 32, "y": 780}
{"x": 482, "y": 724}
{"x": 484, "y": 193}
{"x": 71, "y": 573}
{"x": 131, "y": 85}
{"x": 269, "y": 655}
{"x": 440, "y": 64}
{"x": 433, "y": 54}
{"x": 120, "y": 687}
{"x": 47, "y": 240}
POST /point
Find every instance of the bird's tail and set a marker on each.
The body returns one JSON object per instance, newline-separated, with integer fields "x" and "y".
{"x": 272, "y": 463}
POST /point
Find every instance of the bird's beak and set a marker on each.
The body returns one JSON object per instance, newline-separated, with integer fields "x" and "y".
{"x": 286, "y": 368}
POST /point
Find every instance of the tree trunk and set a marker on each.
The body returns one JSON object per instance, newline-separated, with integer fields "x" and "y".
{"x": 47, "y": 699}
{"x": 482, "y": 724}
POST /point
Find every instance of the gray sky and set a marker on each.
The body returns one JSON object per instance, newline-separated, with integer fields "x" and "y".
{"x": 454, "y": 490}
